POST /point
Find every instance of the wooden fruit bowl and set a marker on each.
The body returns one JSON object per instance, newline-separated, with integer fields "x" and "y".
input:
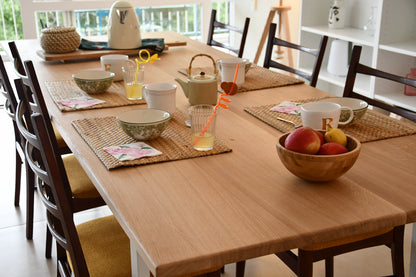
{"x": 318, "y": 168}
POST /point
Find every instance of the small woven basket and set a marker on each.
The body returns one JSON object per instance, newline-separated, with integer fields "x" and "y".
{"x": 57, "y": 40}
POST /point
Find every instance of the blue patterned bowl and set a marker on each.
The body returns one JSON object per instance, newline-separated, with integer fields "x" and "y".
{"x": 94, "y": 81}
{"x": 143, "y": 124}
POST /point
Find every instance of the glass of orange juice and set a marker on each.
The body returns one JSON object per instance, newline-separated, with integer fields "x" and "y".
{"x": 202, "y": 127}
{"x": 133, "y": 81}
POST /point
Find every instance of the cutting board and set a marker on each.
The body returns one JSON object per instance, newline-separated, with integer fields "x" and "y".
{"x": 81, "y": 54}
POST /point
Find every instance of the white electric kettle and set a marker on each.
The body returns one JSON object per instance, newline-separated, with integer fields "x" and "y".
{"x": 123, "y": 27}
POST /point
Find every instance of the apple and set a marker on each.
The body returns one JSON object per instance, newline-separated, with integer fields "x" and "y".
{"x": 303, "y": 140}
{"x": 332, "y": 148}
{"x": 321, "y": 136}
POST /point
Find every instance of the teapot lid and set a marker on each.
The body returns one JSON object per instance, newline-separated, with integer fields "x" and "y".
{"x": 202, "y": 77}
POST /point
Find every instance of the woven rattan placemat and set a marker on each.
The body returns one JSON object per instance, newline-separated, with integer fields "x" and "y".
{"x": 174, "y": 143}
{"x": 372, "y": 126}
{"x": 256, "y": 78}
{"x": 65, "y": 89}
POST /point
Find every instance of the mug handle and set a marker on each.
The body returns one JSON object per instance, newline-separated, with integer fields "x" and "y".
{"x": 218, "y": 64}
{"x": 130, "y": 62}
{"x": 144, "y": 91}
{"x": 350, "y": 118}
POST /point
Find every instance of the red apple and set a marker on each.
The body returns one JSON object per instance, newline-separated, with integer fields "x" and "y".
{"x": 321, "y": 136}
{"x": 303, "y": 140}
{"x": 332, "y": 148}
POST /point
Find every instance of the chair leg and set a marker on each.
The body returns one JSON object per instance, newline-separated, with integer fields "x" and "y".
{"x": 48, "y": 246}
{"x": 240, "y": 268}
{"x": 30, "y": 188}
{"x": 397, "y": 252}
{"x": 18, "y": 176}
{"x": 305, "y": 264}
{"x": 329, "y": 267}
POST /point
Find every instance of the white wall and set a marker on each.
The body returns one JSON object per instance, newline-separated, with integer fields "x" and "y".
{"x": 258, "y": 17}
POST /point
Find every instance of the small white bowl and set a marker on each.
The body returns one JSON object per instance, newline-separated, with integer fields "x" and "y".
{"x": 94, "y": 81}
{"x": 358, "y": 106}
{"x": 144, "y": 124}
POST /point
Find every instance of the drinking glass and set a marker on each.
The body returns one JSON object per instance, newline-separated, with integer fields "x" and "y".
{"x": 133, "y": 81}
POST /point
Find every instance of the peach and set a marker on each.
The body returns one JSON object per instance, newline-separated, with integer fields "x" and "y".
{"x": 303, "y": 140}
{"x": 332, "y": 148}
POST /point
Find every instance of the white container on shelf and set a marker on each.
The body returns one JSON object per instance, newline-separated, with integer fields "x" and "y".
{"x": 337, "y": 14}
{"x": 338, "y": 58}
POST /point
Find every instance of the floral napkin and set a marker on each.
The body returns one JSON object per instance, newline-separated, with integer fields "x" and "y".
{"x": 132, "y": 151}
{"x": 287, "y": 107}
{"x": 80, "y": 102}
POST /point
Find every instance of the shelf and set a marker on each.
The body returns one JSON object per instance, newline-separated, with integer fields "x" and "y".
{"x": 362, "y": 83}
{"x": 402, "y": 47}
{"x": 398, "y": 99}
{"x": 355, "y": 35}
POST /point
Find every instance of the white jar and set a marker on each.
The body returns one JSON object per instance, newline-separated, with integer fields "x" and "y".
{"x": 336, "y": 18}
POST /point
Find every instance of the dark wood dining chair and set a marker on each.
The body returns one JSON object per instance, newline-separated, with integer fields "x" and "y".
{"x": 21, "y": 72}
{"x": 84, "y": 194}
{"x": 302, "y": 263}
{"x": 94, "y": 248}
{"x": 358, "y": 68}
{"x": 214, "y": 24}
{"x": 10, "y": 106}
{"x": 318, "y": 53}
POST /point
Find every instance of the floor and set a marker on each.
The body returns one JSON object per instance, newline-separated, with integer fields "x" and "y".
{"x": 20, "y": 257}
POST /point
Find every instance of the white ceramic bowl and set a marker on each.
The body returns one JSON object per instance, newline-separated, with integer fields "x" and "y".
{"x": 357, "y": 105}
{"x": 94, "y": 81}
{"x": 143, "y": 124}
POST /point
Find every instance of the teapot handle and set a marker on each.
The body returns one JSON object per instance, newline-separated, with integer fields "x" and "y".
{"x": 205, "y": 55}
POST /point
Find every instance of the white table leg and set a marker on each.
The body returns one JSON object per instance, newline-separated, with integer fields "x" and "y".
{"x": 412, "y": 272}
{"x": 138, "y": 266}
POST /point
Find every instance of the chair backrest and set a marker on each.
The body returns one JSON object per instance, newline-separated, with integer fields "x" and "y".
{"x": 357, "y": 68}
{"x": 11, "y": 103}
{"x": 45, "y": 161}
{"x": 17, "y": 60}
{"x": 216, "y": 24}
{"x": 318, "y": 53}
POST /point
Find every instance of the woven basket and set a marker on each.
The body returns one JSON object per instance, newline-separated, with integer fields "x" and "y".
{"x": 57, "y": 40}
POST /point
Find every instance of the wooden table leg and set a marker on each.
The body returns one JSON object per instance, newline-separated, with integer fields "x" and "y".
{"x": 138, "y": 266}
{"x": 412, "y": 272}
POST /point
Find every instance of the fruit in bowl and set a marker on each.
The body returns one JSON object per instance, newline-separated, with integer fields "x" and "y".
{"x": 331, "y": 160}
{"x": 94, "y": 81}
{"x": 358, "y": 106}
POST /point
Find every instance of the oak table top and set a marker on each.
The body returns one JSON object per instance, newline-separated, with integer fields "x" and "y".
{"x": 192, "y": 214}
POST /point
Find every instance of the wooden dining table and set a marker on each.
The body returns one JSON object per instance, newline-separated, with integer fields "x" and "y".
{"x": 192, "y": 214}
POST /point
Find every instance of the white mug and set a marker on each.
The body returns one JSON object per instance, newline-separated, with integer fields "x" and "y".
{"x": 227, "y": 69}
{"x": 114, "y": 63}
{"x": 161, "y": 96}
{"x": 323, "y": 115}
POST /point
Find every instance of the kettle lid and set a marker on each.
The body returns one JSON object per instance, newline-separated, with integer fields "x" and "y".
{"x": 202, "y": 77}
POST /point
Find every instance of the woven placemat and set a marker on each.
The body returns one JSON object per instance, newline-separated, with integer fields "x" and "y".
{"x": 174, "y": 143}
{"x": 256, "y": 78}
{"x": 371, "y": 127}
{"x": 114, "y": 97}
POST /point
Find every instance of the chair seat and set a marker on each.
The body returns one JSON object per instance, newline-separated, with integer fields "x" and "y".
{"x": 81, "y": 185}
{"x": 333, "y": 243}
{"x": 106, "y": 247}
{"x": 61, "y": 142}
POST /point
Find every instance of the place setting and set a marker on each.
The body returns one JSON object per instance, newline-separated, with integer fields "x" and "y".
{"x": 355, "y": 118}
{"x": 253, "y": 77}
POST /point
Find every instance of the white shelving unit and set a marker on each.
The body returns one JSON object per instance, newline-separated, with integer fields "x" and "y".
{"x": 392, "y": 47}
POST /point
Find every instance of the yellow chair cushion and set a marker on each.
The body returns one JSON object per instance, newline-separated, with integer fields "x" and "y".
{"x": 59, "y": 139}
{"x": 81, "y": 185}
{"x": 332, "y": 243}
{"x": 105, "y": 246}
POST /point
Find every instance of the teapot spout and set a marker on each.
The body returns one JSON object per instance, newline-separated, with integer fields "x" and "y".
{"x": 184, "y": 85}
